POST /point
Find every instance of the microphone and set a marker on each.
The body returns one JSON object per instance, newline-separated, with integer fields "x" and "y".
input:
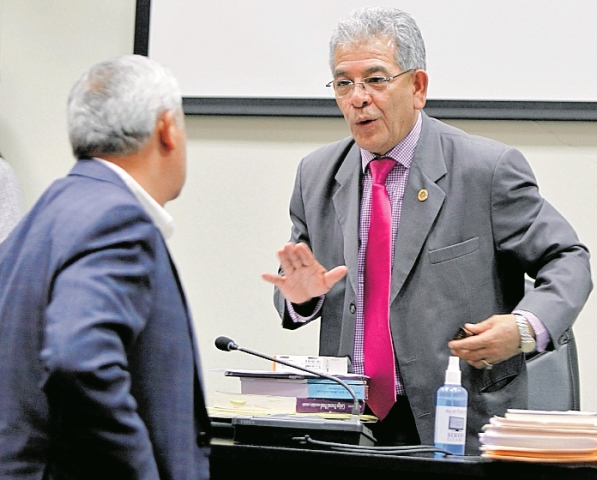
{"x": 227, "y": 344}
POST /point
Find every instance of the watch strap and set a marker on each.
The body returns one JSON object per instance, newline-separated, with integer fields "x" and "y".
{"x": 527, "y": 341}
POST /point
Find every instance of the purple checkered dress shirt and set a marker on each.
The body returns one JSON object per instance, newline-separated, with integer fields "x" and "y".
{"x": 403, "y": 153}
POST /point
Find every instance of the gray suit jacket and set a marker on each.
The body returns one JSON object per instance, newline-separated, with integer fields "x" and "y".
{"x": 460, "y": 256}
{"x": 99, "y": 371}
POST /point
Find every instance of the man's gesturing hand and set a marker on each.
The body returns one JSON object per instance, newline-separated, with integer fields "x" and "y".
{"x": 302, "y": 277}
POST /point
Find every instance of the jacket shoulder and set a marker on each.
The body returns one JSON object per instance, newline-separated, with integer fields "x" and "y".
{"x": 451, "y": 135}
{"x": 327, "y": 160}
{"x": 335, "y": 149}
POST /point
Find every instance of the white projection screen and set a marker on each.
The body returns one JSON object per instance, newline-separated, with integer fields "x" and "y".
{"x": 487, "y": 59}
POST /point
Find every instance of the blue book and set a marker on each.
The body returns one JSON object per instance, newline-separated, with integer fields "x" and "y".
{"x": 325, "y": 381}
{"x": 303, "y": 388}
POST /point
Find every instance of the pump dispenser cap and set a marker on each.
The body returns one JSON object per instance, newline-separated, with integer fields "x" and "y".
{"x": 453, "y": 371}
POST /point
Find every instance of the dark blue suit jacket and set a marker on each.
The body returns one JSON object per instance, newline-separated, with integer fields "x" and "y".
{"x": 99, "y": 371}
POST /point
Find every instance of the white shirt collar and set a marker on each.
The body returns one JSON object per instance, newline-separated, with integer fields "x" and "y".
{"x": 160, "y": 217}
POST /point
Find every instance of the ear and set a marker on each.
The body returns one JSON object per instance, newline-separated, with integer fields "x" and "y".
{"x": 166, "y": 130}
{"x": 420, "y": 81}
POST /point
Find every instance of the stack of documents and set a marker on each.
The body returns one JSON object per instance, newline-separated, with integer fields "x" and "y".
{"x": 541, "y": 436}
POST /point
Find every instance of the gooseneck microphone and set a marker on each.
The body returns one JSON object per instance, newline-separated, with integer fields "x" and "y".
{"x": 363, "y": 443}
{"x": 227, "y": 344}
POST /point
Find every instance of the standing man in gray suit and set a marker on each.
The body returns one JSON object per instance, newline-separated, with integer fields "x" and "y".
{"x": 99, "y": 370}
{"x": 467, "y": 224}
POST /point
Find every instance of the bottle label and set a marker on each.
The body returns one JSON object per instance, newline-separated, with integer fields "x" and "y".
{"x": 450, "y": 425}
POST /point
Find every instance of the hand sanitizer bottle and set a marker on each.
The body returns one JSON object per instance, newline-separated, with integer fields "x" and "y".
{"x": 450, "y": 411}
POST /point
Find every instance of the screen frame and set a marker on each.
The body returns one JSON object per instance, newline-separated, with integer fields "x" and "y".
{"x": 316, "y": 107}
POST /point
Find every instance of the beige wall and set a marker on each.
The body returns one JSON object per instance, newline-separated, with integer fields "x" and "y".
{"x": 227, "y": 231}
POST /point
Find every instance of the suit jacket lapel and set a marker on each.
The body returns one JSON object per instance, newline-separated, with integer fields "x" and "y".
{"x": 418, "y": 214}
{"x": 347, "y": 200}
{"x": 200, "y": 403}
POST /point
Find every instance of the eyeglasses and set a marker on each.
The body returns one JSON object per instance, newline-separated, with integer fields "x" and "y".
{"x": 371, "y": 85}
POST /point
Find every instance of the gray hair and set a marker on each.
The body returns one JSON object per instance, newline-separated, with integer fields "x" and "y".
{"x": 114, "y": 106}
{"x": 373, "y": 22}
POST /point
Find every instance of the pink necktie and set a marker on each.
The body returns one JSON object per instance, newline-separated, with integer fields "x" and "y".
{"x": 378, "y": 350}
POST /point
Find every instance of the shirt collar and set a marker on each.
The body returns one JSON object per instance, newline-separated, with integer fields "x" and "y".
{"x": 160, "y": 217}
{"x": 403, "y": 153}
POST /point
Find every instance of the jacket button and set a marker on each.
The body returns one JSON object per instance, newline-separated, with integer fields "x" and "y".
{"x": 353, "y": 308}
{"x": 202, "y": 439}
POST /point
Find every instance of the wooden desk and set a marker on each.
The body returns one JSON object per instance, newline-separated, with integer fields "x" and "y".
{"x": 235, "y": 461}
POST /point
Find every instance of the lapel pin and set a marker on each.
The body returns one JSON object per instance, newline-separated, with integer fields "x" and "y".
{"x": 422, "y": 195}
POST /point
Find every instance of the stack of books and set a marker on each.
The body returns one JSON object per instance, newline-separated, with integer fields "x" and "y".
{"x": 541, "y": 436}
{"x": 290, "y": 392}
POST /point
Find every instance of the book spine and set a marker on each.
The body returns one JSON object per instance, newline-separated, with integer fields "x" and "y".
{"x": 335, "y": 391}
{"x": 322, "y": 405}
{"x": 331, "y": 382}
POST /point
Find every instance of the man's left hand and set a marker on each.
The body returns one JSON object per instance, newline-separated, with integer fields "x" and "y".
{"x": 495, "y": 340}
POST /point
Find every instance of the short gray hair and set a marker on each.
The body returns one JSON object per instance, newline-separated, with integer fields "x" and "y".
{"x": 114, "y": 106}
{"x": 374, "y": 22}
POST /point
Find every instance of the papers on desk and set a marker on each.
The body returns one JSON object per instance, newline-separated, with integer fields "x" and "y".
{"x": 541, "y": 436}
{"x": 227, "y": 405}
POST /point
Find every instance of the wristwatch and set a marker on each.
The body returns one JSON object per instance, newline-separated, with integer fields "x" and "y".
{"x": 527, "y": 342}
